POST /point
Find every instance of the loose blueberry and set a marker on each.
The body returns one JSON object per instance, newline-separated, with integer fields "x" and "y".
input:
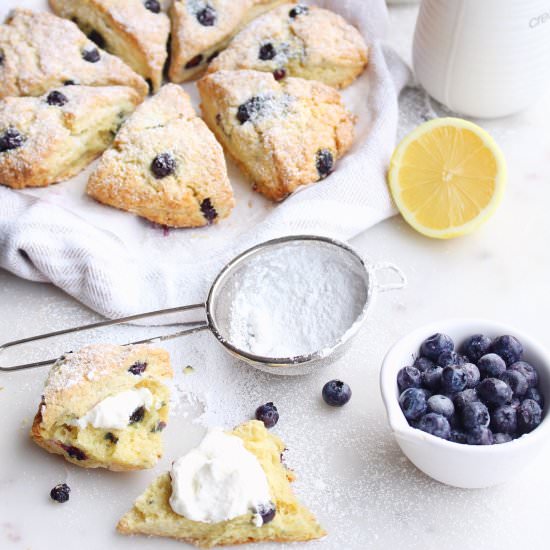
{"x": 57, "y": 98}
{"x": 458, "y": 436}
{"x": 324, "y": 161}
{"x": 91, "y": 55}
{"x": 279, "y": 74}
{"x": 440, "y": 404}
{"x": 476, "y": 346}
{"x": 494, "y": 392}
{"x": 163, "y": 165}
{"x": 450, "y": 358}
{"x": 138, "y": 368}
{"x": 423, "y": 363}
{"x": 474, "y": 415}
{"x": 517, "y": 381}
{"x": 435, "y": 424}
{"x": 268, "y": 414}
{"x": 535, "y": 395}
{"x": 137, "y": 415}
{"x": 208, "y": 211}
{"x": 97, "y": 38}
{"x": 431, "y": 378}
{"x": 501, "y": 438}
{"x": 298, "y": 10}
{"x": 11, "y": 139}
{"x": 491, "y": 365}
{"x": 336, "y": 393}
{"x": 60, "y": 493}
{"x": 194, "y": 62}
{"x": 453, "y": 379}
{"x": 250, "y": 108}
{"x": 509, "y": 348}
{"x": 472, "y": 375}
{"x": 529, "y": 416}
{"x": 152, "y": 5}
{"x": 408, "y": 377}
{"x": 267, "y": 512}
{"x": 267, "y": 51}
{"x": 435, "y": 345}
{"x": 465, "y": 396}
{"x": 480, "y": 436}
{"x": 528, "y": 371}
{"x": 413, "y": 403}
{"x": 504, "y": 419}
{"x": 207, "y": 16}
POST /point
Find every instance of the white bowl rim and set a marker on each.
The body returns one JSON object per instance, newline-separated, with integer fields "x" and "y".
{"x": 388, "y": 387}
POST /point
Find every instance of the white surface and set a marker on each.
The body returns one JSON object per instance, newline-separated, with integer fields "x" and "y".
{"x": 465, "y": 466}
{"x": 351, "y": 472}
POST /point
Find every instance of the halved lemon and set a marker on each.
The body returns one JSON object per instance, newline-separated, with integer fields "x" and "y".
{"x": 447, "y": 177}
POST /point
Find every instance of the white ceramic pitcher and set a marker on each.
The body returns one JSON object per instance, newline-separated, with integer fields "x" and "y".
{"x": 483, "y": 58}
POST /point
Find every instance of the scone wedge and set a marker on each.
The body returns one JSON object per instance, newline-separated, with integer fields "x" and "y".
{"x": 134, "y": 30}
{"x": 87, "y": 412}
{"x": 201, "y": 29}
{"x": 40, "y": 51}
{"x": 44, "y": 140}
{"x": 283, "y": 135}
{"x": 152, "y": 513}
{"x": 301, "y": 41}
{"x": 165, "y": 165}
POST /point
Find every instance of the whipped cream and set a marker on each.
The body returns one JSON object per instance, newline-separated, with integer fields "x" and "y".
{"x": 113, "y": 413}
{"x": 219, "y": 480}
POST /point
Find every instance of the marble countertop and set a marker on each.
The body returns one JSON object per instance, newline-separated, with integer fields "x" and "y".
{"x": 351, "y": 472}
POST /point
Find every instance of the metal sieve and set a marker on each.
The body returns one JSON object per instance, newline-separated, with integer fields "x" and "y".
{"x": 217, "y": 308}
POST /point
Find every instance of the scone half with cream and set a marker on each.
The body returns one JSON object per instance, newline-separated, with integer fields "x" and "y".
{"x": 284, "y": 135}
{"x": 105, "y": 406}
{"x": 231, "y": 489}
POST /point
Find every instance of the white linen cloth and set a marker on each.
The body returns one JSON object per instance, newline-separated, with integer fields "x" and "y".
{"x": 118, "y": 264}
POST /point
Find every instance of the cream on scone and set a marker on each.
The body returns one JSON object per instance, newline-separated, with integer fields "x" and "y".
{"x": 134, "y": 30}
{"x": 165, "y": 165}
{"x": 297, "y": 40}
{"x": 283, "y": 135}
{"x": 40, "y": 51}
{"x": 105, "y": 406}
{"x": 44, "y": 140}
{"x": 202, "y": 28}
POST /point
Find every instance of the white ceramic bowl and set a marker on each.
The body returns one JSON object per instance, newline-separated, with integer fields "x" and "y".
{"x": 460, "y": 465}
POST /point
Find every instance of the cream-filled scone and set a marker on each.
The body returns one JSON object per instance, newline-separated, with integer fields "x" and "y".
{"x": 44, "y": 140}
{"x": 165, "y": 165}
{"x": 202, "y": 28}
{"x": 40, "y": 51}
{"x": 105, "y": 406}
{"x": 231, "y": 489}
{"x": 134, "y": 30}
{"x": 301, "y": 41}
{"x": 284, "y": 134}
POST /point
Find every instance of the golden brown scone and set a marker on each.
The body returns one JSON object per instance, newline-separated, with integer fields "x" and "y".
{"x": 81, "y": 380}
{"x": 301, "y": 41}
{"x": 134, "y": 30}
{"x": 202, "y": 28}
{"x": 48, "y": 139}
{"x": 165, "y": 165}
{"x": 40, "y": 51}
{"x": 283, "y": 135}
{"x": 153, "y": 515}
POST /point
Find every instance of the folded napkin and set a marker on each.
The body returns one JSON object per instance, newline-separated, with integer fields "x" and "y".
{"x": 118, "y": 264}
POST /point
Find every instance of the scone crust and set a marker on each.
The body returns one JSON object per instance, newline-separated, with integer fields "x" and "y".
{"x": 277, "y": 150}
{"x": 166, "y": 123}
{"x": 317, "y": 45}
{"x": 190, "y": 39}
{"x": 54, "y": 148}
{"x": 130, "y": 29}
{"x": 152, "y": 514}
{"x": 42, "y": 51}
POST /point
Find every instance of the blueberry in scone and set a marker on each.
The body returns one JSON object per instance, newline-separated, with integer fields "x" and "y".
{"x": 98, "y": 411}
{"x": 282, "y": 518}
{"x": 284, "y": 134}
{"x": 44, "y": 140}
{"x": 295, "y": 40}
{"x": 134, "y": 30}
{"x": 203, "y": 28}
{"x": 41, "y": 51}
{"x": 165, "y": 165}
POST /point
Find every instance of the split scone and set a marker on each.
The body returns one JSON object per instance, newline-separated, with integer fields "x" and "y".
{"x": 297, "y": 40}
{"x": 40, "y": 51}
{"x": 283, "y": 135}
{"x": 202, "y": 28}
{"x": 231, "y": 489}
{"x": 48, "y": 139}
{"x": 165, "y": 165}
{"x": 134, "y": 30}
{"x": 105, "y": 406}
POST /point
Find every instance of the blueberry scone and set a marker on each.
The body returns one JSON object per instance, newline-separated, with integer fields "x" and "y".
{"x": 165, "y": 165}
{"x": 231, "y": 489}
{"x": 297, "y": 40}
{"x": 40, "y": 51}
{"x": 134, "y": 30}
{"x": 105, "y": 406}
{"x": 202, "y": 28}
{"x": 51, "y": 138}
{"x": 284, "y": 134}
